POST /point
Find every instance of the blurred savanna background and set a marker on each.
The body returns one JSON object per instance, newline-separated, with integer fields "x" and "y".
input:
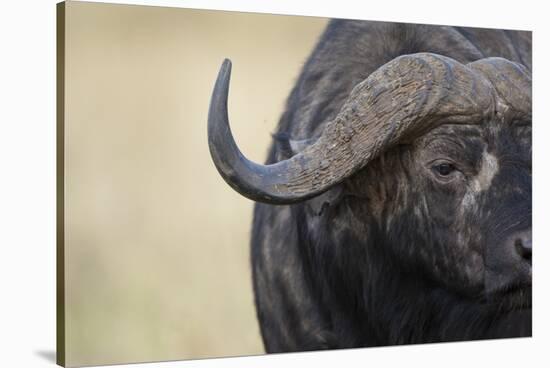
{"x": 156, "y": 245}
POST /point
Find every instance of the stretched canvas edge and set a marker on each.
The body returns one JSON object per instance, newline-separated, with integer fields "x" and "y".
{"x": 60, "y": 184}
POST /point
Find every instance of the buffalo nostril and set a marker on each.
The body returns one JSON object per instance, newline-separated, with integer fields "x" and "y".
{"x": 524, "y": 248}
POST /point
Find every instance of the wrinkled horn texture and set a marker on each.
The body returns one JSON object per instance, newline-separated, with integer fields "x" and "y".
{"x": 512, "y": 83}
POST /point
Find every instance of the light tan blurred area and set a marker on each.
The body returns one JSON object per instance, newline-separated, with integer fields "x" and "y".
{"x": 156, "y": 243}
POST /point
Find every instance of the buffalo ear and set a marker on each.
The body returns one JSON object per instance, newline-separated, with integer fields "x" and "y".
{"x": 287, "y": 147}
{"x": 319, "y": 204}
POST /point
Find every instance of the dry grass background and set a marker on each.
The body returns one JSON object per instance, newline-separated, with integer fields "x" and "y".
{"x": 156, "y": 248}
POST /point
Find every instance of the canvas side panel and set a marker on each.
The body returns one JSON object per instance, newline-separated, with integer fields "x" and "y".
{"x": 60, "y": 178}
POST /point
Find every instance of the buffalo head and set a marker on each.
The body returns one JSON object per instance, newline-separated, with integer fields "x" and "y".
{"x": 437, "y": 156}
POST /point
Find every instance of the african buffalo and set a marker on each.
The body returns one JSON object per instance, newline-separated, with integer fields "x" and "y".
{"x": 395, "y": 204}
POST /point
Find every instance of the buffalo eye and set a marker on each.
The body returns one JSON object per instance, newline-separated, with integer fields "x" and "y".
{"x": 444, "y": 169}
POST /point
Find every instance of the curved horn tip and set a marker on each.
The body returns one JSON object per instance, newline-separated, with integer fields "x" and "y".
{"x": 226, "y": 66}
{"x": 224, "y": 74}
